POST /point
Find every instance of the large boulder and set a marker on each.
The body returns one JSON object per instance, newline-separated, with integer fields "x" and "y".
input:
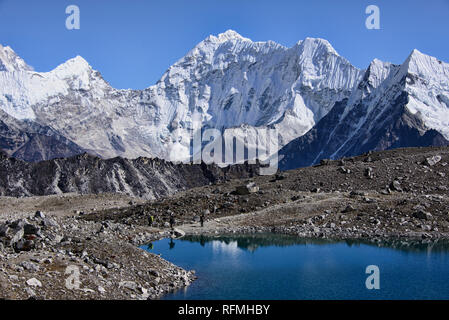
{"x": 31, "y": 229}
{"x": 431, "y": 161}
{"x": 246, "y": 189}
{"x": 16, "y": 235}
{"x": 396, "y": 186}
{"x": 130, "y": 285}
{"x": 23, "y": 245}
{"x": 39, "y": 214}
{"x": 33, "y": 282}
{"x": 369, "y": 173}
{"x": 422, "y": 215}
{"x": 4, "y": 230}
{"x": 49, "y": 222}
{"x": 178, "y": 233}
{"x": 17, "y": 224}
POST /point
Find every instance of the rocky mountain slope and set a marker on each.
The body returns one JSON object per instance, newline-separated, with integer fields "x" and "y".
{"x": 29, "y": 140}
{"x": 86, "y": 174}
{"x": 393, "y": 106}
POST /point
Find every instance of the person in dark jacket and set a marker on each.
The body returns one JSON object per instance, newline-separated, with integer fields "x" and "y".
{"x": 172, "y": 221}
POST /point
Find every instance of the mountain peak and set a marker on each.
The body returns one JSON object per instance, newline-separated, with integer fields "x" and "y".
{"x": 72, "y": 66}
{"x": 416, "y": 53}
{"x": 10, "y": 61}
{"x": 79, "y": 61}
{"x": 212, "y": 42}
{"x": 422, "y": 64}
{"x": 230, "y": 35}
{"x": 377, "y": 72}
{"x": 313, "y": 44}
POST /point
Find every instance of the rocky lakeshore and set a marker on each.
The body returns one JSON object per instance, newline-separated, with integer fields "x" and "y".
{"x": 46, "y": 256}
{"x": 399, "y": 196}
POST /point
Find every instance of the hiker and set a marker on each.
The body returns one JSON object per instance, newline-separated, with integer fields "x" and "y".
{"x": 150, "y": 220}
{"x": 202, "y": 220}
{"x": 172, "y": 221}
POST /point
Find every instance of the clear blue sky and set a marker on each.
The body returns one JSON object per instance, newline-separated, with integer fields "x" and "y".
{"x": 133, "y": 42}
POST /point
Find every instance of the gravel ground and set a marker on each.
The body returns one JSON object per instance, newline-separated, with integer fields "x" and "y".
{"x": 58, "y": 255}
{"x": 401, "y": 193}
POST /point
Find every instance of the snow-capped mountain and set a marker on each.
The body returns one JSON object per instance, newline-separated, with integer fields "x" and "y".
{"x": 10, "y": 61}
{"x": 321, "y": 105}
{"x": 393, "y": 106}
{"x": 224, "y": 82}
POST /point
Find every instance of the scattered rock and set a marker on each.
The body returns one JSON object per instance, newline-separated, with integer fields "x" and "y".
{"x": 30, "y": 229}
{"x": 178, "y": 233}
{"x": 431, "y": 161}
{"x": 130, "y": 285}
{"x": 87, "y": 290}
{"x": 423, "y": 215}
{"x": 29, "y": 266}
{"x": 39, "y": 215}
{"x": 246, "y": 189}
{"x": 396, "y": 186}
{"x": 344, "y": 170}
{"x": 16, "y": 235}
{"x": 369, "y": 173}
{"x": 33, "y": 282}
{"x": 349, "y": 208}
{"x": 355, "y": 193}
{"x": 48, "y": 222}
{"x": 3, "y": 230}
{"x": 279, "y": 176}
{"x": 154, "y": 273}
{"x": 17, "y": 224}
{"x": 23, "y": 245}
{"x": 30, "y": 292}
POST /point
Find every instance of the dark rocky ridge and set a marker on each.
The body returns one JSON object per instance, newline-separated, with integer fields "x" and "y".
{"x": 87, "y": 174}
{"x": 387, "y": 126}
{"x": 30, "y": 141}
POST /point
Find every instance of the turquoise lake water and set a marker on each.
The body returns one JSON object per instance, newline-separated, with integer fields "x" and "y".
{"x": 268, "y": 266}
